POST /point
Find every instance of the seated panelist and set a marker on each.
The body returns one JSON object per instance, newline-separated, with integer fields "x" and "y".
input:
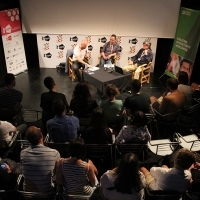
{"x": 144, "y": 56}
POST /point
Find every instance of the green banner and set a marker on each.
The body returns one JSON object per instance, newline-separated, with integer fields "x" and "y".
{"x": 185, "y": 44}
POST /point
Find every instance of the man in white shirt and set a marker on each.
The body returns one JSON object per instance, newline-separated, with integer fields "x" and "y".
{"x": 176, "y": 178}
{"x": 80, "y": 51}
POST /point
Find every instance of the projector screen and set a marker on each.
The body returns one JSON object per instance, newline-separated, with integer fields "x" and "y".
{"x": 143, "y": 18}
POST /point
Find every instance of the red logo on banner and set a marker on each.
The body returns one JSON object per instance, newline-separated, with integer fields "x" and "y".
{"x": 9, "y": 38}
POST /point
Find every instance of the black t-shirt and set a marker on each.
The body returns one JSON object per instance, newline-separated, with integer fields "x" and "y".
{"x": 97, "y": 136}
{"x": 137, "y": 102}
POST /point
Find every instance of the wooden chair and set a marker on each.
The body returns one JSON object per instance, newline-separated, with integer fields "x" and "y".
{"x": 145, "y": 73}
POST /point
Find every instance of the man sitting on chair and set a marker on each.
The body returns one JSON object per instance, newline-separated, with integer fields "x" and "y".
{"x": 144, "y": 56}
{"x": 110, "y": 49}
{"x": 80, "y": 51}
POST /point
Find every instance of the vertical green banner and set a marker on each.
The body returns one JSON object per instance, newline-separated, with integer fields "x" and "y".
{"x": 185, "y": 44}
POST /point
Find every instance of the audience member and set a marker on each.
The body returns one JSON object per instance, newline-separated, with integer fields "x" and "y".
{"x": 138, "y": 101}
{"x": 9, "y": 97}
{"x": 124, "y": 182}
{"x": 38, "y": 163}
{"x": 184, "y": 87}
{"x": 109, "y": 51}
{"x": 82, "y": 103}
{"x": 77, "y": 176}
{"x": 62, "y": 128}
{"x": 144, "y": 56}
{"x": 137, "y": 131}
{"x": 7, "y": 130}
{"x": 172, "y": 101}
{"x": 98, "y": 132}
{"x": 111, "y": 106}
{"x": 47, "y": 100}
{"x": 80, "y": 51}
{"x": 176, "y": 178}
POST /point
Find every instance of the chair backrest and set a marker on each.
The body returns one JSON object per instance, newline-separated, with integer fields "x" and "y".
{"x": 191, "y": 111}
{"x": 145, "y": 73}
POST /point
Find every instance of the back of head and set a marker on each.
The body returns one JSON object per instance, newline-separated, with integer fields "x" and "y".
{"x": 183, "y": 78}
{"x": 111, "y": 90}
{"x": 81, "y": 92}
{"x": 139, "y": 119}
{"x": 49, "y": 82}
{"x": 34, "y": 135}
{"x": 184, "y": 159}
{"x": 172, "y": 83}
{"x": 98, "y": 118}
{"x": 135, "y": 85}
{"x": 77, "y": 148}
{"x": 9, "y": 78}
{"x": 128, "y": 174}
{"x": 58, "y": 106}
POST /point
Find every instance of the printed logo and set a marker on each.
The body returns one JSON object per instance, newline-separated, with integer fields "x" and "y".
{"x": 61, "y": 46}
{"x": 133, "y": 41}
{"x": 46, "y": 46}
{"x": 59, "y": 38}
{"x": 7, "y": 29}
{"x": 89, "y": 38}
{"x": 46, "y": 38}
{"x": 74, "y": 39}
{"x": 103, "y": 40}
{"x": 90, "y": 47}
{"x": 120, "y": 49}
{"x": 89, "y": 54}
{"x": 48, "y": 55}
{"x": 132, "y": 49}
{"x": 9, "y": 38}
{"x": 118, "y": 39}
{"x": 73, "y": 46}
{"x": 60, "y": 54}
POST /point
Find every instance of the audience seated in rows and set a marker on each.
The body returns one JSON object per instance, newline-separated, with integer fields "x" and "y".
{"x": 62, "y": 128}
{"x": 176, "y": 178}
{"x": 136, "y": 131}
{"x": 82, "y": 103}
{"x": 7, "y": 130}
{"x": 111, "y": 105}
{"x": 125, "y": 181}
{"x": 184, "y": 87}
{"x": 38, "y": 163}
{"x": 47, "y": 100}
{"x": 9, "y": 97}
{"x": 172, "y": 101}
{"x": 76, "y": 175}
{"x": 138, "y": 101}
{"x": 98, "y": 131}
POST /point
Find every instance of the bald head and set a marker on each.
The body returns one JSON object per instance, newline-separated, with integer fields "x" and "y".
{"x": 34, "y": 135}
{"x": 84, "y": 44}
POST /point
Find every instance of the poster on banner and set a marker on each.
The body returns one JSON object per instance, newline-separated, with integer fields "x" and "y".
{"x": 12, "y": 41}
{"x": 52, "y": 48}
{"x": 185, "y": 44}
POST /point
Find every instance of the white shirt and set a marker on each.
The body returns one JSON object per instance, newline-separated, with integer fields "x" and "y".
{"x": 79, "y": 52}
{"x": 5, "y": 129}
{"x": 170, "y": 179}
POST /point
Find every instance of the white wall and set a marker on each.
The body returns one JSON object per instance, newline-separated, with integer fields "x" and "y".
{"x": 142, "y": 18}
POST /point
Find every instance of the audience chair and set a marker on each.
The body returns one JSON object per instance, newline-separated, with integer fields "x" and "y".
{"x": 31, "y": 117}
{"x": 138, "y": 147}
{"x": 151, "y": 120}
{"x": 191, "y": 142}
{"x": 192, "y": 195}
{"x": 32, "y": 195}
{"x": 163, "y": 195}
{"x": 7, "y": 147}
{"x": 145, "y": 73}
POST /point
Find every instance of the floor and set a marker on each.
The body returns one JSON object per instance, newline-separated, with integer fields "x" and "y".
{"x": 30, "y": 83}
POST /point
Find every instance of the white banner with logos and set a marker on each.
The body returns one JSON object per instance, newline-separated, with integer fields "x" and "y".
{"x": 52, "y": 48}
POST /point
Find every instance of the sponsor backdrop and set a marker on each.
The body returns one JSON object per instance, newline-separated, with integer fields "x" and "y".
{"x": 186, "y": 43}
{"x": 12, "y": 41}
{"x": 52, "y": 48}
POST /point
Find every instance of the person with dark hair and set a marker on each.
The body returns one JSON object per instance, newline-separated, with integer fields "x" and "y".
{"x": 124, "y": 182}
{"x": 176, "y": 178}
{"x": 184, "y": 87}
{"x": 47, "y": 100}
{"x": 82, "y": 103}
{"x": 62, "y": 128}
{"x": 111, "y": 105}
{"x": 137, "y": 131}
{"x": 138, "y": 101}
{"x": 172, "y": 100}
{"x": 186, "y": 66}
{"x": 9, "y": 97}
{"x": 38, "y": 163}
{"x": 109, "y": 50}
{"x": 144, "y": 56}
{"x": 98, "y": 131}
{"x": 77, "y": 176}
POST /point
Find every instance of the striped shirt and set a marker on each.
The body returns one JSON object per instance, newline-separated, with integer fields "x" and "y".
{"x": 38, "y": 163}
{"x": 76, "y": 180}
{"x": 9, "y": 97}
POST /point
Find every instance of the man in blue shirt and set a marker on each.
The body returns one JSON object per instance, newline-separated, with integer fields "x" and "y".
{"x": 62, "y": 128}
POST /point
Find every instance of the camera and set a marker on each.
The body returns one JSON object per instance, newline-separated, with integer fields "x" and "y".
{"x": 3, "y": 165}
